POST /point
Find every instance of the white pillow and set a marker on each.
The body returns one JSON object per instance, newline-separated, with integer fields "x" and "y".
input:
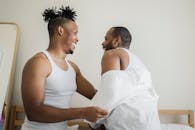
{"x": 74, "y": 127}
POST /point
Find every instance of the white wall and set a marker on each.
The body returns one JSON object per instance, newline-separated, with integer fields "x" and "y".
{"x": 163, "y": 37}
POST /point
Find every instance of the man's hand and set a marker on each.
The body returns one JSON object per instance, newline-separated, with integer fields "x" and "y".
{"x": 92, "y": 114}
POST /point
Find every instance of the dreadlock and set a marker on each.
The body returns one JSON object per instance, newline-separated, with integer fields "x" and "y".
{"x": 57, "y": 18}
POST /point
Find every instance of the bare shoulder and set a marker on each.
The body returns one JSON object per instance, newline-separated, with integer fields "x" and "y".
{"x": 110, "y": 61}
{"x": 110, "y": 54}
{"x": 115, "y": 52}
{"x": 38, "y": 62}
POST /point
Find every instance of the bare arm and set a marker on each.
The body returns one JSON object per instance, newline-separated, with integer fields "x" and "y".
{"x": 33, "y": 90}
{"x": 84, "y": 87}
{"x": 110, "y": 61}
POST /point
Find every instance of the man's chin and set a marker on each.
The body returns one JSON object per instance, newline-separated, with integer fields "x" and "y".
{"x": 106, "y": 49}
{"x": 69, "y": 52}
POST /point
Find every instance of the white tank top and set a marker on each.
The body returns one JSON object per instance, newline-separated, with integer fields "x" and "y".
{"x": 59, "y": 88}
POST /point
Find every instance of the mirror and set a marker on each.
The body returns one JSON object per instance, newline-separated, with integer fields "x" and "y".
{"x": 9, "y": 36}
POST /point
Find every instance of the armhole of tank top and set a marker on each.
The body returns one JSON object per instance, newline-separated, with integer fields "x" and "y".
{"x": 70, "y": 67}
{"x": 50, "y": 61}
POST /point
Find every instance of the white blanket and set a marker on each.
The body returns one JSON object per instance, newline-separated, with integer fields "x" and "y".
{"x": 131, "y": 101}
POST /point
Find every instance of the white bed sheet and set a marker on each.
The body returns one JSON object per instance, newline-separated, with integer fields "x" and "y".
{"x": 163, "y": 127}
{"x": 175, "y": 127}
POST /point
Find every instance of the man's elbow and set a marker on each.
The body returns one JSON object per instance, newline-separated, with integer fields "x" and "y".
{"x": 93, "y": 94}
{"x": 31, "y": 116}
{"x": 33, "y": 113}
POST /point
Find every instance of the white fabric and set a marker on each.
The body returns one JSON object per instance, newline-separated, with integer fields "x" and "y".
{"x": 175, "y": 127}
{"x": 129, "y": 97}
{"x": 59, "y": 88}
{"x": 74, "y": 127}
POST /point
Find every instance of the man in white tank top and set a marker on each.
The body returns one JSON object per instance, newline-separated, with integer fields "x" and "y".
{"x": 126, "y": 89}
{"x": 49, "y": 80}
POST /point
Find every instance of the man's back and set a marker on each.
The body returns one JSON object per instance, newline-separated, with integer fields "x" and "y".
{"x": 137, "y": 111}
{"x": 129, "y": 96}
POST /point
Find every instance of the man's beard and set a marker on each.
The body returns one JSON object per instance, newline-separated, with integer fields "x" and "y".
{"x": 69, "y": 52}
{"x": 108, "y": 47}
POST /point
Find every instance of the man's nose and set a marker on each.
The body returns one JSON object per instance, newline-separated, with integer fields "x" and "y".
{"x": 102, "y": 43}
{"x": 77, "y": 39}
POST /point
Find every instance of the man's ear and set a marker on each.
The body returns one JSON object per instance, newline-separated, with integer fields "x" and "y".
{"x": 117, "y": 42}
{"x": 60, "y": 30}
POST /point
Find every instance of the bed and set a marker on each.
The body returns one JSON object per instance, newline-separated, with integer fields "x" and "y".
{"x": 16, "y": 120}
{"x": 188, "y": 125}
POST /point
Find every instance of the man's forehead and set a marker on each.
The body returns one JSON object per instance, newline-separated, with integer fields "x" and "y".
{"x": 109, "y": 33}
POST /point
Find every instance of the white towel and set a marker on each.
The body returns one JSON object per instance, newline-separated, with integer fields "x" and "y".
{"x": 132, "y": 104}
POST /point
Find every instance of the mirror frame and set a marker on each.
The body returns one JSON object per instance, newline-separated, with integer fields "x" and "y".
{"x": 8, "y": 97}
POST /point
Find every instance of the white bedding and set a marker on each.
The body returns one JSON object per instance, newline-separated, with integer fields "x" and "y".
{"x": 175, "y": 127}
{"x": 163, "y": 127}
{"x": 126, "y": 95}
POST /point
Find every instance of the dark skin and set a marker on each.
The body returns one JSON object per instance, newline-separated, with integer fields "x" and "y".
{"x": 113, "y": 58}
{"x": 38, "y": 68}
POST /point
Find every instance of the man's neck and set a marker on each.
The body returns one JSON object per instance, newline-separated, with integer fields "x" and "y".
{"x": 56, "y": 53}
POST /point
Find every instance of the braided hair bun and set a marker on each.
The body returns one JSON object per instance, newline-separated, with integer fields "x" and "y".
{"x": 63, "y": 12}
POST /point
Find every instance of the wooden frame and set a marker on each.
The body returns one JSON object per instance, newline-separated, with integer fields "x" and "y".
{"x": 189, "y": 113}
{"x": 14, "y": 122}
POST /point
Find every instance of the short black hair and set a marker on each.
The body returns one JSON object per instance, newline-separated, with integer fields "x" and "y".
{"x": 124, "y": 34}
{"x": 56, "y": 18}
